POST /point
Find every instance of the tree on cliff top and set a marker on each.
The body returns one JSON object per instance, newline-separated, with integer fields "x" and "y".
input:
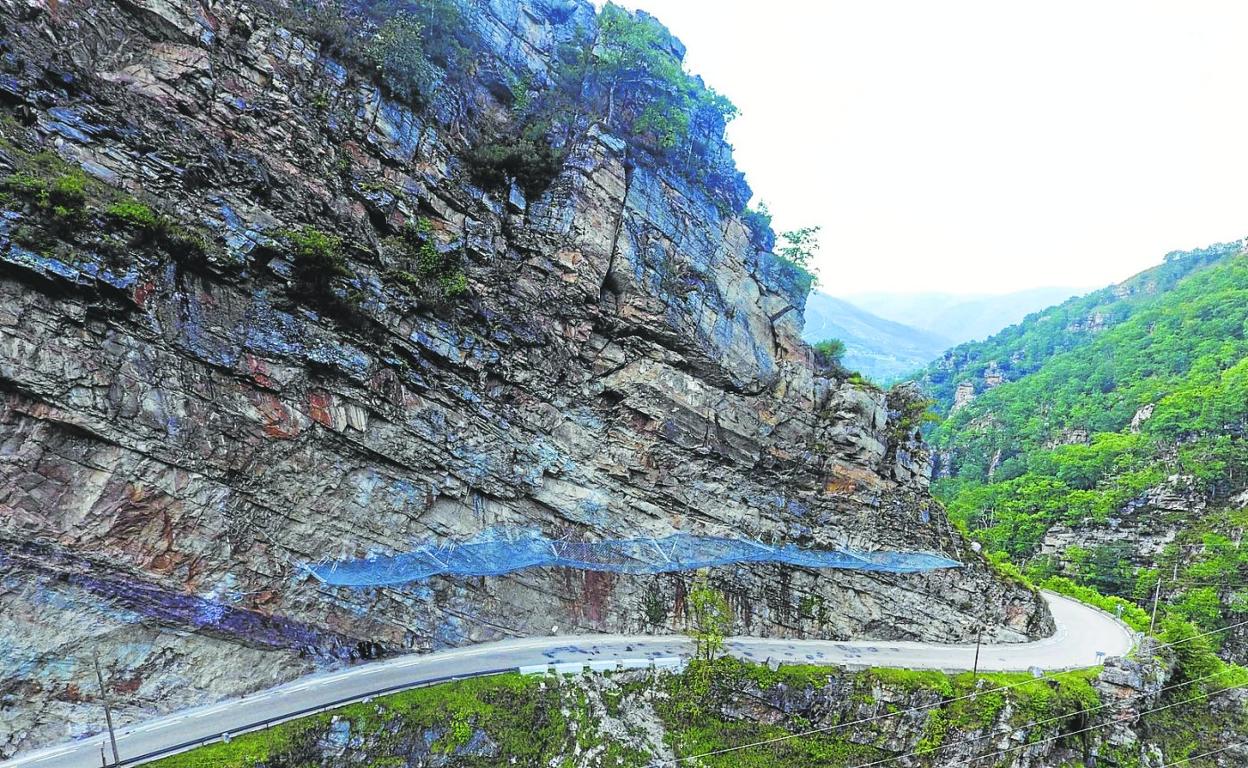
{"x": 829, "y": 352}
{"x": 800, "y": 246}
{"x": 634, "y": 65}
{"x": 632, "y": 51}
{"x": 798, "y": 251}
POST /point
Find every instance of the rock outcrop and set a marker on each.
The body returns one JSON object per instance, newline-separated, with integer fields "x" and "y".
{"x": 1141, "y": 530}
{"x": 182, "y": 433}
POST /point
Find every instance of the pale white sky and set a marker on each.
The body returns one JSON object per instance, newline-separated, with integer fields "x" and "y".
{"x": 984, "y": 145}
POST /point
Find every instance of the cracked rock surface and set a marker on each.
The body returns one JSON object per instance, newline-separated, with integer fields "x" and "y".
{"x": 179, "y": 437}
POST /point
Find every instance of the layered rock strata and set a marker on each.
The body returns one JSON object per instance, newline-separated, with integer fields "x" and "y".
{"x": 181, "y": 436}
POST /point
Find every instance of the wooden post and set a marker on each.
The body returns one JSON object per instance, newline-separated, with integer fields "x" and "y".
{"x": 979, "y": 635}
{"x": 108, "y": 713}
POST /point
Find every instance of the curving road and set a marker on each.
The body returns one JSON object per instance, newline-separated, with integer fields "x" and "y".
{"x": 1084, "y": 637}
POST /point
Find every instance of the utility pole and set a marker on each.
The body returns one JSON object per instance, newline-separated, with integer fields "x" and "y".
{"x": 1156, "y": 595}
{"x": 979, "y": 636}
{"x": 108, "y": 713}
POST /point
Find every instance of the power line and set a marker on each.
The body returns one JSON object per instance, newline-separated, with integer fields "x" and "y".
{"x": 1048, "y": 720}
{"x": 1048, "y": 739}
{"x": 916, "y": 753}
{"x": 912, "y": 710}
{"x": 208, "y": 762}
{"x": 1205, "y": 754}
{"x": 1051, "y": 676}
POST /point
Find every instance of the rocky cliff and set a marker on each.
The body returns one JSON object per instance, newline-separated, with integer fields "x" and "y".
{"x": 221, "y": 363}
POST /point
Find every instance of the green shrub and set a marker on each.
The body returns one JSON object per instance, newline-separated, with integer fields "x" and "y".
{"x": 934, "y": 732}
{"x": 711, "y": 617}
{"x": 521, "y": 89}
{"x": 63, "y": 196}
{"x": 317, "y": 253}
{"x": 828, "y": 353}
{"x": 24, "y": 184}
{"x": 800, "y": 246}
{"x": 182, "y": 243}
{"x": 319, "y": 262}
{"x": 407, "y": 280}
{"x": 37, "y": 239}
{"x": 453, "y": 284}
{"x": 805, "y": 279}
{"x": 132, "y": 213}
{"x": 758, "y": 222}
{"x": 179, "y": 242}
{"x": 908, "y": 410}
{"x": 332, "y": 24}
{"x": 531, "y": 161}
{"x": 427, "y": 271}
{"x": 68, "y": 191}
{"x": 1193, "y": 652}
{"x": 397, "y": 52}
{"x": 1000, "y": 563}
{"x": 862, "y": 382}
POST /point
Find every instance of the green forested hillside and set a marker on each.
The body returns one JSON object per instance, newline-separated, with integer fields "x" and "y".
{"x": 1023, "y": 348}
{"x": 1089, "y": 423}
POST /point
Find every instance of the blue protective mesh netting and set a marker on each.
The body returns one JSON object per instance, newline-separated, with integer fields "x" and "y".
{"x": 493, "y": 554}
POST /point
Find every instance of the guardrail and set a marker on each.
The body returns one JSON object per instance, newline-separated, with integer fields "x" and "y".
{"x": 261, "y": 724}
{"x": 670, "y": 662}
{"x": 615, "y": 665}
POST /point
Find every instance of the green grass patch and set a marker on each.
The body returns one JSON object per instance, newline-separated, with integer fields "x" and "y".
{"x": 64, "y": 209}
{"x": 425, "y": 270}
{"x": 813, "y": 750}
{"x": 518, "y": 714}
{"x": 910, "y": 680}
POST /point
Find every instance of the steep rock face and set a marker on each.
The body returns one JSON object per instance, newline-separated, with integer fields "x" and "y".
{"x": 1146, "y": 525}
{"x": 180, "y": 437}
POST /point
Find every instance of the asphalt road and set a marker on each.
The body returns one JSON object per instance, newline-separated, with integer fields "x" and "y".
{"x": 1084, "y": 637}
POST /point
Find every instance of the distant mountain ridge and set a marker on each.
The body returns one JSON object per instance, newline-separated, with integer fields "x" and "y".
{"x": 880, "y": 349}
{"x": 889, "y": 336}
{"x": 961, "y": 317}
{"x": 1025, "y": 347}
